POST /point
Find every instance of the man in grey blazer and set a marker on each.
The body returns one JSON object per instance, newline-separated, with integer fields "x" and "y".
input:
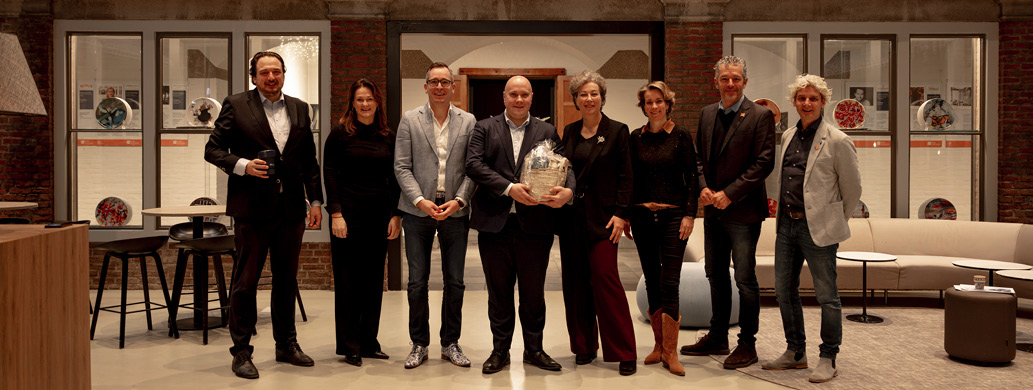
{"x": 819, "y": 186}
{"x": 430, "y": 159}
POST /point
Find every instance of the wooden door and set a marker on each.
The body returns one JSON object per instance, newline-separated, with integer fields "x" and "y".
{"x": 566, "y": 112}
{"x": 461, "y": 92}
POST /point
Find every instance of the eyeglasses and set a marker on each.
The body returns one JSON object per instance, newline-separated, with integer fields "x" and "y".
{"x": 436, "y": 82}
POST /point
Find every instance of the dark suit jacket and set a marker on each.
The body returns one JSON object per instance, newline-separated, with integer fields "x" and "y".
{"x": 604, "y": 183}
{"x": 744, "y": 160}
{"x": 241, "y": 131}
{"x": 489, "y": 163}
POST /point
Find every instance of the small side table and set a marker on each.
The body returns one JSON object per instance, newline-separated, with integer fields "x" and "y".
{"x": 990, "y": 266}
{"x": 18, "y": 205}
{"x": 196, "y": 214}
{"x": 864, "y": 258}
{"x": 1026, "y": 275}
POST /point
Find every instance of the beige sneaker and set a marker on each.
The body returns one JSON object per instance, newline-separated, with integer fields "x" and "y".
{"x": 787, "y": 361}
{"x": 824, "y": 372}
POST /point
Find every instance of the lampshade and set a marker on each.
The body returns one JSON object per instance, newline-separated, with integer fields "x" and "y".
{"x": 18, "y": 93}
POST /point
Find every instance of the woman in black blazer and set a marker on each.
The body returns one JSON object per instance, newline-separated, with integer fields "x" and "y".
{"x": 362, "y": 199}
{"x": 664, "y": 159}
{"x": 597, "y": 147}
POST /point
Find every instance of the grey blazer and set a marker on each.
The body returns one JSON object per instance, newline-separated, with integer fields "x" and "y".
{"x": 831, "y": 183}
{"x": 416, "y": 159}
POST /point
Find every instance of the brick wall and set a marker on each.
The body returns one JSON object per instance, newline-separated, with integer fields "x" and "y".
{"x": 691, "y": 51}
{"x": 26, "y": 144}
{"x": 1015, "y": 175}
{"x": 357, "y": 50}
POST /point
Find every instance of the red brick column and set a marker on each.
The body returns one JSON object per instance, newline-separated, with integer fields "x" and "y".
{"x": 691, "y": 51}
{"x": 1015, "y": 175}
{"x": 26, "y": 142}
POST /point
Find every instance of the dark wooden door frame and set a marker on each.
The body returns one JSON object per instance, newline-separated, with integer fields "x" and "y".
{"x": 395, "y": 29}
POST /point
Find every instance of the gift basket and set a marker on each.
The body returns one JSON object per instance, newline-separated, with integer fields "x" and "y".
{"x": 544, "y": 169}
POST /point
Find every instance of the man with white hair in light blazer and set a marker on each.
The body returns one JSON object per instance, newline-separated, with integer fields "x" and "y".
{"x": 819, "y": 186}
{"x": 430, "y": 165}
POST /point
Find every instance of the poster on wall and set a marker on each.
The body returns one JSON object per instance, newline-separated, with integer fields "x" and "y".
{"x": 961, "y": 96}
{"x": 165, "y": 94}
{"x": 179, "y": 100}
{"x": 882, "y": 100}
{"x": 916, "y": 95}
{"x": 132, "y": 97}
{"x": 85, "y": 98}
{"x": 862, "y": 94}
{"x": 85, "y": 118}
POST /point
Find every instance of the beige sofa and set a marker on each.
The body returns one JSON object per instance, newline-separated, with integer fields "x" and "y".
{"x": 925, "y": 250}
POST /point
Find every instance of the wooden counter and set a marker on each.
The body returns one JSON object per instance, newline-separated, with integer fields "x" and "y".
{"x": 44, "y": 316}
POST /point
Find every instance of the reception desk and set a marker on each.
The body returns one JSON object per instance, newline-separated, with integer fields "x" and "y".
{"x": 44, "y": 316}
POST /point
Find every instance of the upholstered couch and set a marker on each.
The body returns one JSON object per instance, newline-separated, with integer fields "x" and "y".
{"x": 925, "y": 250}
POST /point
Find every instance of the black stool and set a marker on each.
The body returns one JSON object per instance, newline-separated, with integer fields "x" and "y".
{"x": 125, "y": 250}
{"x": 208, "y": 247}
{"x": 14, "y": 221}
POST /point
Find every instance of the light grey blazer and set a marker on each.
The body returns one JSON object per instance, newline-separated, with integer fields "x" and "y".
{"x": 831, "y": 183}
{"x": 416, "y": 161}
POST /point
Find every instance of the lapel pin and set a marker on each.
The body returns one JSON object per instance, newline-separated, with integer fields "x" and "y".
{"x": 742, "y": 115}
{"x": 816, "y": 147}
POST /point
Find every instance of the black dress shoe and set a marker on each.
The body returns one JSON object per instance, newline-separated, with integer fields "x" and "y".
{"x": 243, "y": 367}
{"x": 584, "y": 358}
{"x": 354, "y": 360}
{"x": 496, "y": 362}
{"x": 541, "y": 360}
{"x": 291, "y": 353}
{"x": 375, "y": 355}
{"x": 627, "y": 368}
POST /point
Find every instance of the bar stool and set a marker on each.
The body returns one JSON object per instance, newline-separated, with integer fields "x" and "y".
{"x": 208, "y": 247}
{"x": 125, "y": 250}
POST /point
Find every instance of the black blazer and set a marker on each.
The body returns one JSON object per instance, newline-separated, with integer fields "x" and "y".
{"x": 604, "y": 183}
{"x": 745, "y": 158}
{"x": 490, "y": 164}
{"x": 241, "y": 131}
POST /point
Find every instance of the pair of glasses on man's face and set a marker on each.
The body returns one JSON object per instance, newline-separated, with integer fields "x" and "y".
{"x": 436, "y": 82}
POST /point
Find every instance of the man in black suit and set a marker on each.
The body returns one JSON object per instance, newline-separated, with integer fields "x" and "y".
{"x": 269, "y": 210}
{"x": 735, "y": 143}
{"x": 516, "y": 233}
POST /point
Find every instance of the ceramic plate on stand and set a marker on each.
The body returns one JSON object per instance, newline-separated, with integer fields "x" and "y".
{"x": 936, "y": 114}
{"x": 113, "y": 112}
{"x": 849, "y": 114}
{"x": 203, "y": 112}
{"x": 112, "y": 211}
{"x": 767, "y": 103}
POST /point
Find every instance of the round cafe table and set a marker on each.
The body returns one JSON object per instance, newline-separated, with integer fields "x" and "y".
{"x": 196, "y": 215}
{"x": 18, "y": 205}
{"x": 865, "y": 258}
{"x": 1026, "y": 275}
{"x": 990, "y": 266}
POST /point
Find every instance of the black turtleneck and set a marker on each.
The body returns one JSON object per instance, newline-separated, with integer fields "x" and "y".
{"x": 359, "y": 169}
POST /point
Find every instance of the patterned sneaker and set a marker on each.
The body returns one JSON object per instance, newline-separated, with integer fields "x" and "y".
{"x": 416, "y": 357}
{"x": 454, "y": 354}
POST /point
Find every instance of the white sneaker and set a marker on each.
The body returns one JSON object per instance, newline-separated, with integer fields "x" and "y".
{"x": 454, "y": 354}
{"x": 824, "y": 372}
{"x": 786, "y": 361}
{"x": 416, "y": 357}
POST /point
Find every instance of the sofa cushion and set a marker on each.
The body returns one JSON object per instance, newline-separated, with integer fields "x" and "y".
{"x": 860, "y": 239}
{"x": 966, "y": 239}
{"x": 881, "y": 276}
{"x": 922, "y": 272}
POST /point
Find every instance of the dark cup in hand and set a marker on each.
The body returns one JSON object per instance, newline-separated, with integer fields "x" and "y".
{"x": 269, "y": 156}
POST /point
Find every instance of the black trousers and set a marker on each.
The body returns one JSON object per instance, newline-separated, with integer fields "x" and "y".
{"x": 660, "y": 251}
{"x": 280, "y": 238}
{"x": 507, "y": 256}
{"x": 358, "y": 264}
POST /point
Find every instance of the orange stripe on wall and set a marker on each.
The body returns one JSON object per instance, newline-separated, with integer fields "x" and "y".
{"x": 926, "y": 144}
{"x": 872, "y": 144}
{"x": 959, "y": 144}
{"x": 129, "y": 142}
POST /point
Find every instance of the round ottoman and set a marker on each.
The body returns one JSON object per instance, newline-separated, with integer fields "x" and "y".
{"x": 693, "y": 297}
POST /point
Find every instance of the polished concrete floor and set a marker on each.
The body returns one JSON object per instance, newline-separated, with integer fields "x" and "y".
{"x": 151, "y": 360}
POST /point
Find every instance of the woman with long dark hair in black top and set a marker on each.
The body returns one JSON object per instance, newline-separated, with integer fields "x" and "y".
{"x": 362, "y": 199}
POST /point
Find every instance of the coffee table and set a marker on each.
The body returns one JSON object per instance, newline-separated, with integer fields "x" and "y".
{"x": 1026, "y": 275}
{"x": 990, "y": 266}
{"x": 196, "y": 214}
{"x": 865, "y": 258}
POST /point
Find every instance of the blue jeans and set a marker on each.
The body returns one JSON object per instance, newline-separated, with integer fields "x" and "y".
{"x": 736, "y": 243}
{"x": 419, "y": 241}
{"x": 793, "y": 244}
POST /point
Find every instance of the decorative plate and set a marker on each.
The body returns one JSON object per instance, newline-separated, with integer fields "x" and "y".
{"x": 767, "y": 103}
{"x": 113, "y": 112}
{"x": 861, "y": 211}
{"x": 849, "y": 114}
{"x": 938, "y": 208}
{"x": 205, "y": 201}
{"x": 112, "y": 211}
{"x": 203, "y": 112}
{"x": 936, "y": 114}
{"x": 772, "y": 208}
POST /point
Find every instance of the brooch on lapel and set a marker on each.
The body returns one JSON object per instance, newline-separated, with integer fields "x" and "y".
{"x": 742, "y": 115}
{"x": 601, "y": 139}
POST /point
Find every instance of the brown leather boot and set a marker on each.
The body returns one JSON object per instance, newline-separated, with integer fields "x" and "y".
{"x": 743, "y": 356}
{"x": 656, "y": 321}
{"x": 670, "y": 344}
